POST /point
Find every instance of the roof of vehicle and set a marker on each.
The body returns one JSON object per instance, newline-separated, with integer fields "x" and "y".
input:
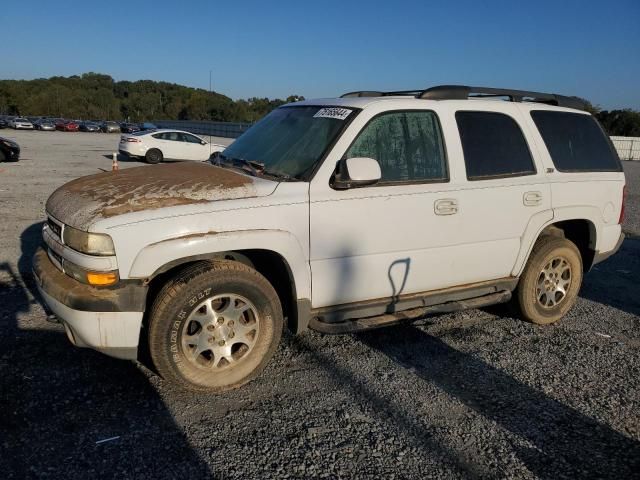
{"x": 161, "y": 130}
{"x": 454, "y": 93}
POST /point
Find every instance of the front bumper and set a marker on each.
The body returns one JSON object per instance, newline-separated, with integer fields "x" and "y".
{"x": 105, "y": 319}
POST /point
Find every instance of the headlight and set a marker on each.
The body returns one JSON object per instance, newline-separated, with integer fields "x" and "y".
{"x": 89, "y": 243}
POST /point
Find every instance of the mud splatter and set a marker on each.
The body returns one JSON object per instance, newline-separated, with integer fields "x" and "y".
{"x": 84, "y": 200}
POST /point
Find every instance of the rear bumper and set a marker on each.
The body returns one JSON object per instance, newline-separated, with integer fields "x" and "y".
{"x": 105, "y": 319}
{"x": 602, "y": 256}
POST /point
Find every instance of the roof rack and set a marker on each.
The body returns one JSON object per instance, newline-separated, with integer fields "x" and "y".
{"x": 462, "y": 92}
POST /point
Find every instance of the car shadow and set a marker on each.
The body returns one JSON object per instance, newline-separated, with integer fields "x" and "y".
{"x": 60, "y": 402}
{"x": 552, "y": 431}
{"x": 615, "y": 282}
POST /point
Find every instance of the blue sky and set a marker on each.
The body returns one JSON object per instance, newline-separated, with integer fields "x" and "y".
{"x": 324, "y": 48}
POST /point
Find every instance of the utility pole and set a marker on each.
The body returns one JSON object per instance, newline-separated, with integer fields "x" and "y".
{"x": 209, "y": 81}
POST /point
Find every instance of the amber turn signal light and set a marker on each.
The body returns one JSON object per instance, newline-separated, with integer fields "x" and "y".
{"x": 102, "y": 278}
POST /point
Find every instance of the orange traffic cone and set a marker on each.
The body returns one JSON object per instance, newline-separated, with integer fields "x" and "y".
{"x": 114, "y": 164}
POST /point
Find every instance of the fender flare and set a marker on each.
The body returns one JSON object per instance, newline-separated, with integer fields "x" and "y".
{"x": 542, "y": 220}
{"x": 152, "y": 259}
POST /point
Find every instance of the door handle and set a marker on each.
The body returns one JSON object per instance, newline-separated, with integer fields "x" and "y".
{"x": 532, "y": 199}
{"x": 446, "y": 206}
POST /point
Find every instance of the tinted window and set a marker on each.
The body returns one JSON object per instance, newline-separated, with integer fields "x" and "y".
{"x": 190, "y": 138}
{"x": 493, "y": 146}
{"x": 407, "y": 145}
{"x": 575, "y": 142}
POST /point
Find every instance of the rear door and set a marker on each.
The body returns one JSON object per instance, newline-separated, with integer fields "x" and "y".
{"x": 506, "y": 192}
{"x": 171, "y": 145}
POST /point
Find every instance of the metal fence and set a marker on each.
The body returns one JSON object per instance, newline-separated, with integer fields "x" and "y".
{"x": 628, "y": 147}
{"x": 216, "y": 129}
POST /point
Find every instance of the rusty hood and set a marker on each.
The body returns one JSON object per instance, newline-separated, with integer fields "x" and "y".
{"x": 86, "y": 200}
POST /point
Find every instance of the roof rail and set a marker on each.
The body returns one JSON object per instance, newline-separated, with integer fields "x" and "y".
{"x": 463, "y": 92}
{"x": 373, "y": 93}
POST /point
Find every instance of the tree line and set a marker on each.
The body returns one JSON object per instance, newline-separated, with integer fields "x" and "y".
{"x": 98, "y": 96}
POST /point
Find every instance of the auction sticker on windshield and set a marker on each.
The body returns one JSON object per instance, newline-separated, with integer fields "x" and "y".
{"x": 333, "y": 112}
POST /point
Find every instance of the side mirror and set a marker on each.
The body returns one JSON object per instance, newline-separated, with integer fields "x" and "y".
{"x": 356, "y": 172}
{"x": 202, "y": 142}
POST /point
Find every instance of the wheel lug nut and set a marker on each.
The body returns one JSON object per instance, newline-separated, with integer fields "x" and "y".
{"x": 230, "y": 323}
{"x": 231, "y": 334}
{"x": 210, "y": 328}
{"x": 212, "y": 339}
{"x": 220, "y": 321}
{"x": 221, "y": 343}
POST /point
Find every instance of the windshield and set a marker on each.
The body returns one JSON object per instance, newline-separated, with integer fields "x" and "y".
{"x": 290, "y": 140}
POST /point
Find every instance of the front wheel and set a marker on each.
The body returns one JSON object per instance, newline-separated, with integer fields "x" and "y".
{"x": 153, "y": 156}
{"x": 551, "y": 280}
{"x": 215, "y": 326}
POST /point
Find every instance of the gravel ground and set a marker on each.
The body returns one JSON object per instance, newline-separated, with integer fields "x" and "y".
{"x": 476, "y": 394}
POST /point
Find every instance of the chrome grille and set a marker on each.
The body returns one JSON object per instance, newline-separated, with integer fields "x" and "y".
{"x": 55, "y": 228}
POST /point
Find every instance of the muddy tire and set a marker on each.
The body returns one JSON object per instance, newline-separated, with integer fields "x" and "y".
{"x": 551, "y": 280}
{"x": 153, "y": 155}
{"x": 215, "y": 326}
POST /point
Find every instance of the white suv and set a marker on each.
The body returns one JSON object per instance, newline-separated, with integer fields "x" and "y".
{"x": 339, "y": 214}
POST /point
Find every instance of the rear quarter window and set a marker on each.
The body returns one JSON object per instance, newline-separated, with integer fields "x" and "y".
{"x": 576, "y": 142}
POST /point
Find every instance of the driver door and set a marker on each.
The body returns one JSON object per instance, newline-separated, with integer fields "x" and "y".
{"x": 389, "y": 239}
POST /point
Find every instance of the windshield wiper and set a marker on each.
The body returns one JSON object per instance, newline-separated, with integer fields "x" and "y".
{"x": 221, "y": 160}
{"x": 256, "y": 168}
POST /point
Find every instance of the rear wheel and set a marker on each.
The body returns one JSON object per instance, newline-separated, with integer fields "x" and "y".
{"x": 551, "y": 280}
{"x": 153, "y": 156}
{"x": 215, "y": 326}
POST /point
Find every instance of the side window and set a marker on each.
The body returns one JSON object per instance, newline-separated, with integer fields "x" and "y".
{"x": 159, "y": 136}
{"x": 575, "y": 142}
{"x": 190, "y": 138}
{"x": 173, "y": 136}
{"x": 407, "y": 145}
{"x": 493, "y": 146}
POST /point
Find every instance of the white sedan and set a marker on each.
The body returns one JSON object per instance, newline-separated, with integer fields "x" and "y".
{"x": 21, "y": 124}
{"x": 158, "y": 145}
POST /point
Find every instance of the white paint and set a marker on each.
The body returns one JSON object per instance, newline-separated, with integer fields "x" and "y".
{"x": 379, "y": 240}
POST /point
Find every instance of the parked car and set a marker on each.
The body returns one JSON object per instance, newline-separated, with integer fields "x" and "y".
{"x": 67, "y": 126}
{"x": 3, "y": 123}
{"x": 89, "y": 127}
{"x": 158, "y": 145}
{"x": 9, "y": 150}
{"x": 44, "y": 124}
{"x": 148, "y": 126}
{"x": 110, "y": 127}
{"x": 395, "y": 205}
{"x": 21, "y": 123}
{"x": 129, "y": 128}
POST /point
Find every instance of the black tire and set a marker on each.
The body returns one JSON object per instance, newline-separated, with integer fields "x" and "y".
{"x": 153, "y": 155}
{"x": 2, "y": 156}
{"x": 537, "y": 295}
{"x": 180, "y": 312}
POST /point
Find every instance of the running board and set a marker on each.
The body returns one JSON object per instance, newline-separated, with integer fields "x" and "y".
{"x": 370, "y": 323}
